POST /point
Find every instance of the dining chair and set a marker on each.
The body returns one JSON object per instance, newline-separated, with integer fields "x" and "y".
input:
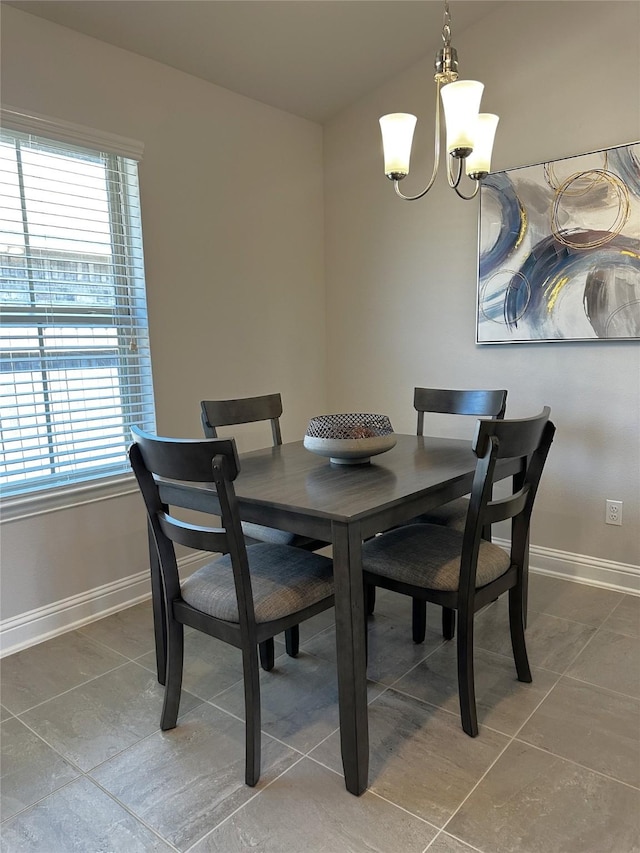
{"x": 477, "y": 403}
{"x": 244, "y": 597}
{"x": 463, "y": 571}
{"x": 448, "y": 401}
{"x": 249, "y": 410}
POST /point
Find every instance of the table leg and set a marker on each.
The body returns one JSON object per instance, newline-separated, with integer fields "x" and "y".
{"x": 351, "y": 655}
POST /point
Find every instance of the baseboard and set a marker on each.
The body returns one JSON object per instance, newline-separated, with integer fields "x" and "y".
{"x": 593, "y": 571}
{"x": 34, "y": 627}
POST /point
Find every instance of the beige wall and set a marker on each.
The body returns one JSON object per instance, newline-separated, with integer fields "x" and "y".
{"x": 401, "y": 277}
{"x": 232, "y": 212}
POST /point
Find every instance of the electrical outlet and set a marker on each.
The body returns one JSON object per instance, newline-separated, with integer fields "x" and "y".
{"x": 614, "y": 512}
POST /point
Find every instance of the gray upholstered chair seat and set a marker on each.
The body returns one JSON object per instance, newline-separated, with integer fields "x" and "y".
{"x": 453, "y": 514}
{"x": 284, "y": 580}
{"x": 428, "y": 556}
{"x": 255, "y": 533}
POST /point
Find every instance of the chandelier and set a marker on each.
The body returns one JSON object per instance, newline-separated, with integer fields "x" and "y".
{"x": 469, "y": 133}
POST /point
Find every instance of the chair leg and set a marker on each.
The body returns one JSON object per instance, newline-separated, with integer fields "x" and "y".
{"x": 419, "y": 620}
{"x": 267, "y": 654}
{"x": 366, "y": 642}
{"x": 157, "y": 602}
{"x": 370, "y": 598}
{"x": 252, "y": 716}
{"x": 516, "y": 627}
{"x": 466, "y": 684}
{"x": 292, "y": 640}
{"x": 448, "y": 623}
{"x": 173, "y": 675}
{"x": 525, "y": 583}
{"x": 365, "y": 594}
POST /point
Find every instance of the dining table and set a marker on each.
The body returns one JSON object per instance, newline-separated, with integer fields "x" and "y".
{"x": 293, "y": 489}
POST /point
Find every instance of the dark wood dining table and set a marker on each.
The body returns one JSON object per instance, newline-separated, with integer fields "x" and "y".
{"x": 290, "y": 488}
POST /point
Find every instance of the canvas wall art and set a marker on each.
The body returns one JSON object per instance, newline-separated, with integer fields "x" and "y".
{"x": 559, "y": 250}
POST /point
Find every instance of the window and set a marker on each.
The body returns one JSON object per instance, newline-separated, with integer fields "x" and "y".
{"x": 75, "y": 370}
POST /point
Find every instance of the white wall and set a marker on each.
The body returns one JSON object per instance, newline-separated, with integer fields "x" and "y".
{"x": 232, "y": 210}
{"x": 401, "y": 277}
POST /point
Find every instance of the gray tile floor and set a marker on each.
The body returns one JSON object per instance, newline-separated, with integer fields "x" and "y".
{"x": 555, "y": 769}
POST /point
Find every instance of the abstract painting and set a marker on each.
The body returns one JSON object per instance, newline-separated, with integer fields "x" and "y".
{"x": 559, "y": 250}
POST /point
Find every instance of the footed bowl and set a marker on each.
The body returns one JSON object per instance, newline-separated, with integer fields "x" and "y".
{"x": 349, "y": 439}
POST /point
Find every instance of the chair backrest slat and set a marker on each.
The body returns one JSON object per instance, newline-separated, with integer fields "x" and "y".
{"x": 193, "y": 535}
{"x": 502, "y": 509}
{"x": 446, "y": 401}
{"x": 247, "y": 410}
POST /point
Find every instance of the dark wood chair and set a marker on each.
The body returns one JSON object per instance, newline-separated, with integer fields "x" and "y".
{"x": 479, "y": 404}
{"x": 447, "y": 401}
{"x": 243, "y": 598}
{"x": 463, "y": 571}
{"x": 250, "y": 410}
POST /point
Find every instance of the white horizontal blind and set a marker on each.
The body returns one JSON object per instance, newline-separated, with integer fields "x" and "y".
{"x": 75, "y": 369}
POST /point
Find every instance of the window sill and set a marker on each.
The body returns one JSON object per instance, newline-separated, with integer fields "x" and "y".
{"x": 19, "y": 507}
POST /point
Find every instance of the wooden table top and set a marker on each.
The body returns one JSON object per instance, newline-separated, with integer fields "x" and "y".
{"x": 293, "y": 478}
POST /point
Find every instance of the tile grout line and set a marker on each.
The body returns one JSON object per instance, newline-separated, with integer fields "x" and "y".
{"x": 600, "y": 687}
{"x": 614, "y": 608}
{"x": 484, "y": 775}
{"x": 111, "y": 648}
{"x": 5, "y": 822}
{"x": 70, "y": 689}
{"x": 112, "y": 797}
{"x": 133, "y": 814}
{"x": 457, "y": 838}
{"x": 582, "y": 650}
{"x": 577, "y": 764}
{"x": 405, "y": 810}
{"x": 245, "y": 804}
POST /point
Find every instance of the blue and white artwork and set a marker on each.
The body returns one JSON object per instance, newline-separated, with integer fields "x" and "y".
{"x": 559, "y": 250}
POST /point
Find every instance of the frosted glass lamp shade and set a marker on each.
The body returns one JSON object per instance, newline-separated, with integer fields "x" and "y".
{"x": 461, "y": 102}
{"x": 478, "y": 163}
{"x": 397, "y": 136}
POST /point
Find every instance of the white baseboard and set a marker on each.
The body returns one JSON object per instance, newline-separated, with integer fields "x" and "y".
{"x": 592, "y": 571}
{"x": 34, "y": 627}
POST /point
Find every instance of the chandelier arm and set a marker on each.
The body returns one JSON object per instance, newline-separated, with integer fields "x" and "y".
{"x": 436, "y": 156}
{"x": 454, "y": 182}
{"x": 473, "y": 194}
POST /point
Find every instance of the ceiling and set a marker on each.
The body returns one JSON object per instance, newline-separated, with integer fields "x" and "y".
{"x": 308, "y": 57}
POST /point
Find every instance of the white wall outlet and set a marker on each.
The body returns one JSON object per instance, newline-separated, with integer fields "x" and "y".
{"x": 614, "y": 512}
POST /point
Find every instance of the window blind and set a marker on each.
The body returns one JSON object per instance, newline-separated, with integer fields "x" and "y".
{"x": 75, "y": 368}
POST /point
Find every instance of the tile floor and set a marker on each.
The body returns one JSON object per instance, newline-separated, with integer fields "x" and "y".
{"x": 556, "y": 768}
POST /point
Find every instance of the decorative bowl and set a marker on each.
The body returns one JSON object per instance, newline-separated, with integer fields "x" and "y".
{"x": 349, "y": 439}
